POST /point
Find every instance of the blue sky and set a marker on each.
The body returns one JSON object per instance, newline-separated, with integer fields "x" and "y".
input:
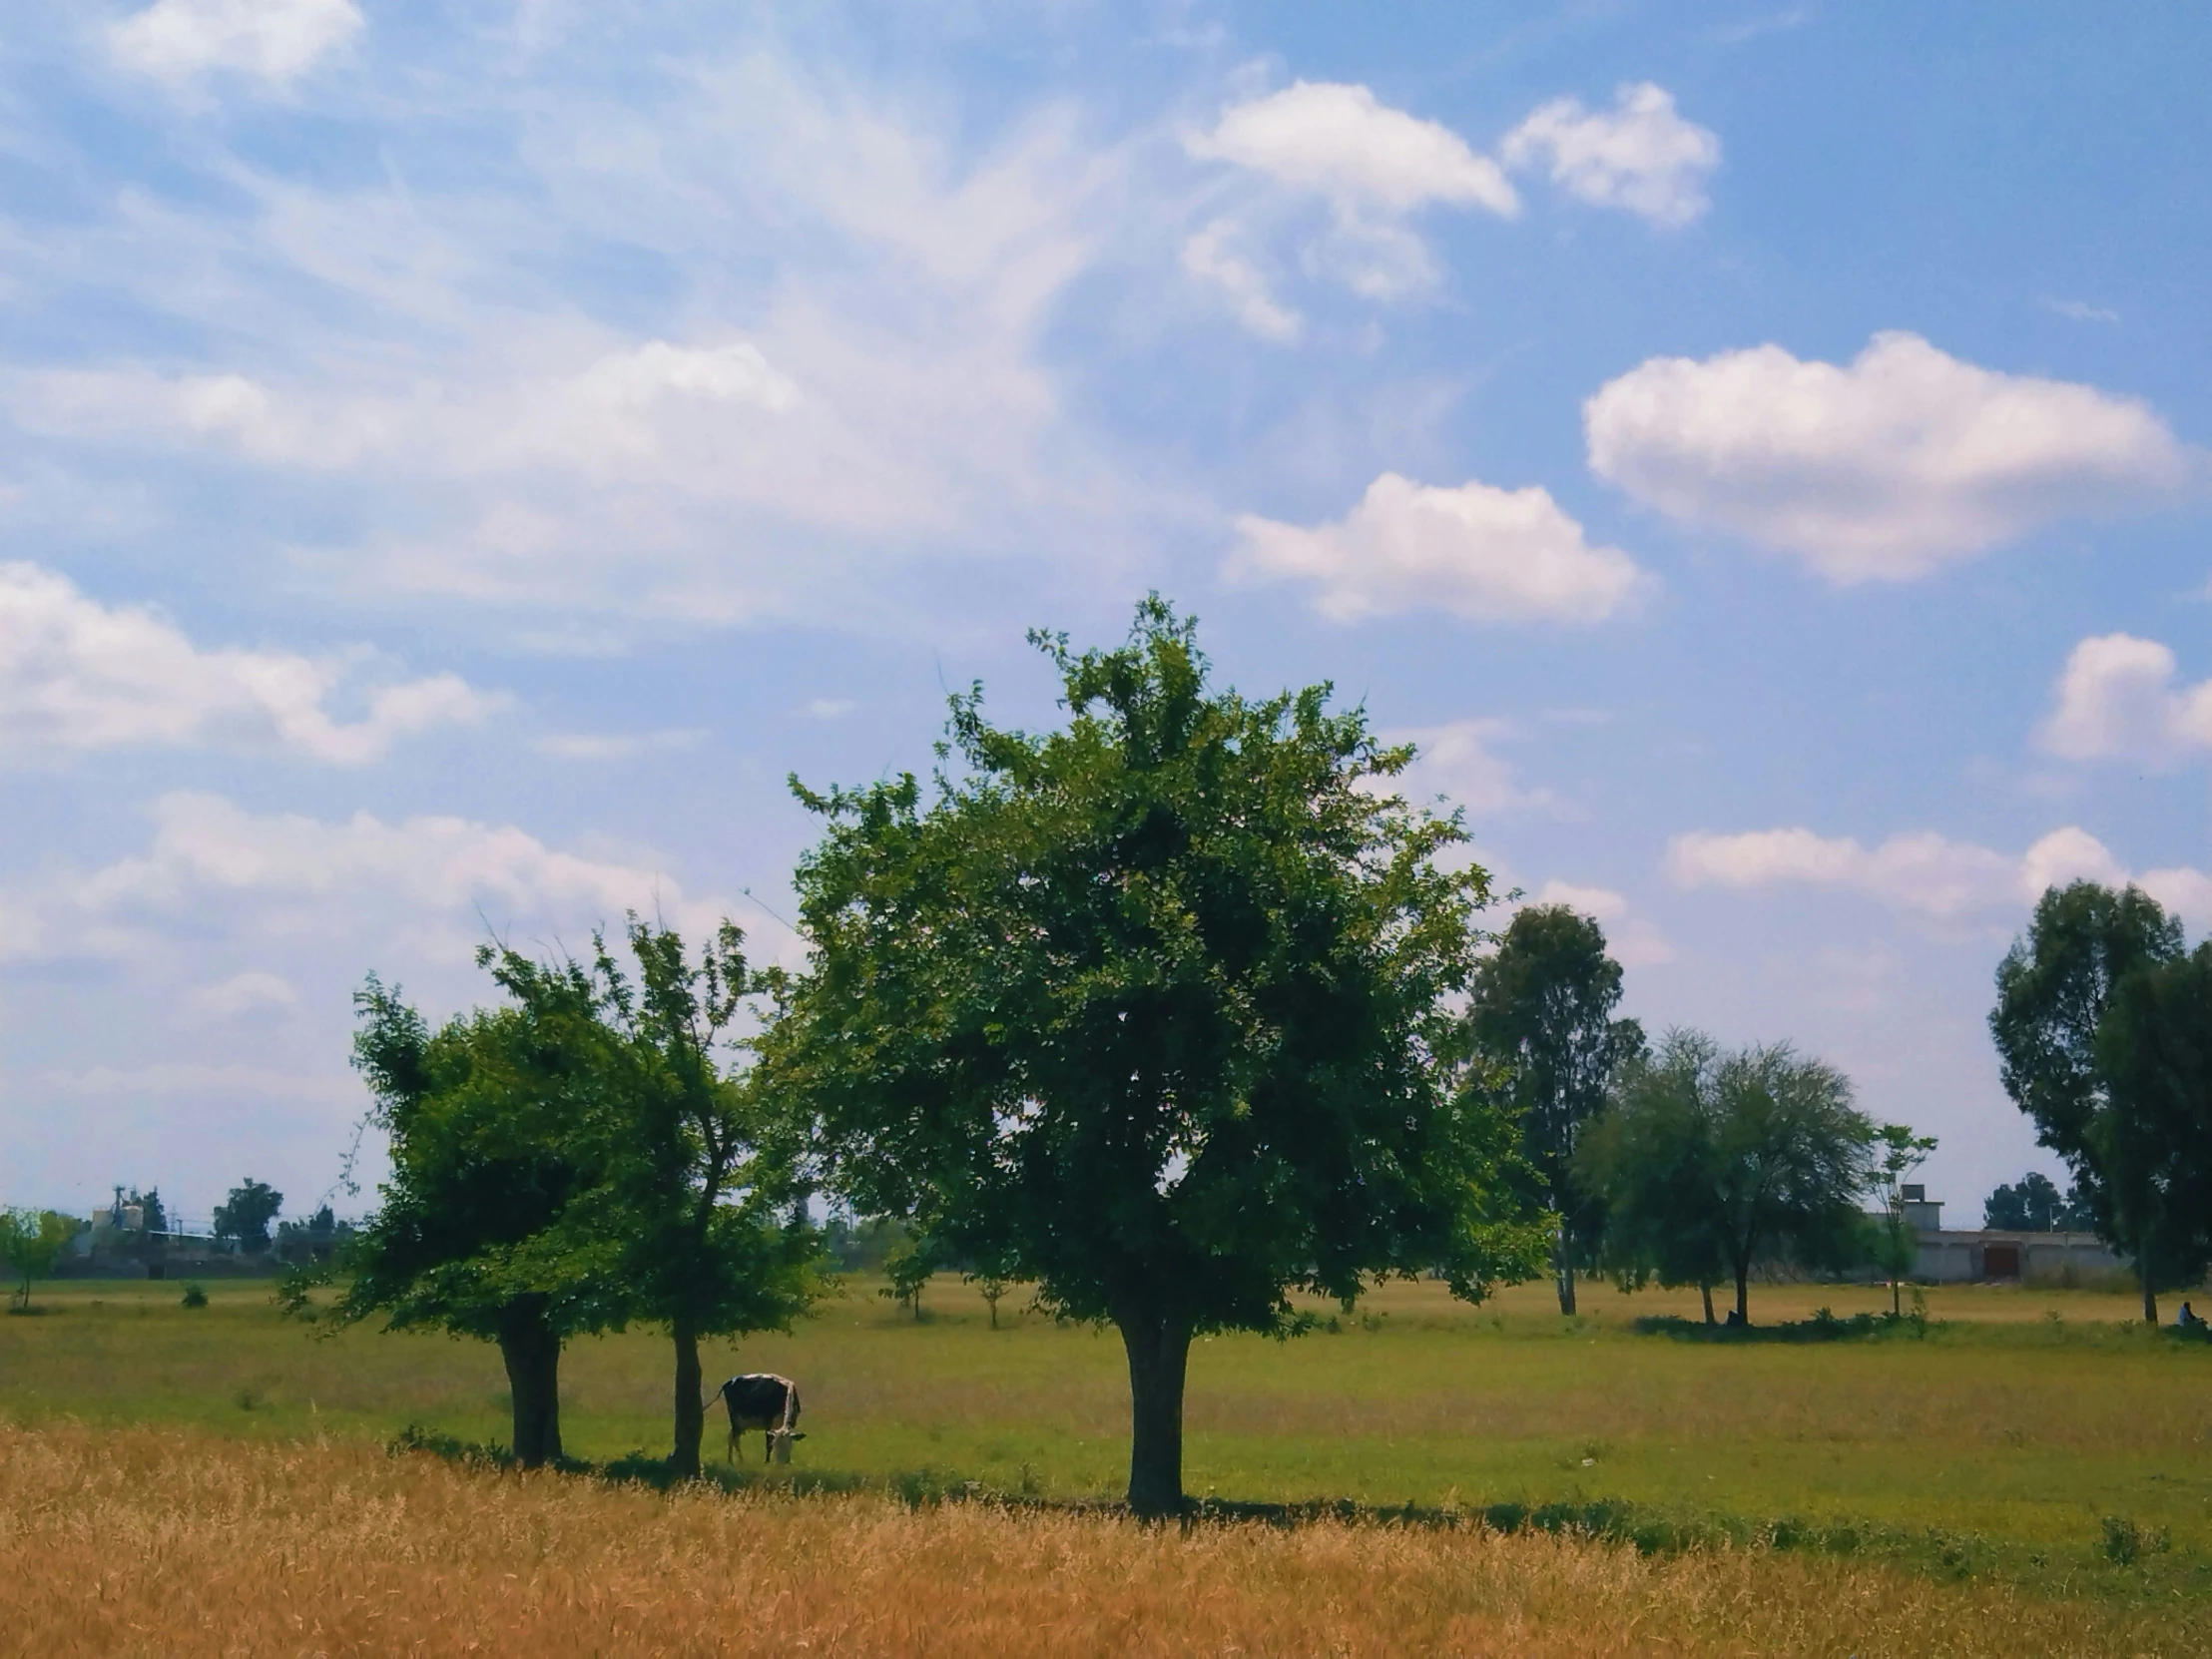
{"x": 455, "y": 459}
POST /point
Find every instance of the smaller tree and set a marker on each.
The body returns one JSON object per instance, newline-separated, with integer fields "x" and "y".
{"x": 910, "y": 1264}
{"x": 1737, "y": 1159}
{"x": 992, "y": 1288}
{"x": 246, "y": 1218}
{"x": 31, "y": 1243}
{"x": 1541, "y": 1012}
{"x": 1898, "y": 1153}
{"x": 2035, "y": 1205}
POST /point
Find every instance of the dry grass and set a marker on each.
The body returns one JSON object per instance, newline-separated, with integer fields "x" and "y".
{"x": 138, "y": 1540}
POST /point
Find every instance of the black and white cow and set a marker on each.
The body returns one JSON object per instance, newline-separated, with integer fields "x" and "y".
{"x": 761, "y": 1400}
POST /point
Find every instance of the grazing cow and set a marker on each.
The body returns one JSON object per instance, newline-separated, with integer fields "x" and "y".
{"x": 768, "y": 1403}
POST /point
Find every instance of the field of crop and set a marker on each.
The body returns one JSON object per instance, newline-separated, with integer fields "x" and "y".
{"x": 2031, "y": 1464}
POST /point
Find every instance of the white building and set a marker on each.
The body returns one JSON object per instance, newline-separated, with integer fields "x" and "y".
{"x": 1954, "y": 1256}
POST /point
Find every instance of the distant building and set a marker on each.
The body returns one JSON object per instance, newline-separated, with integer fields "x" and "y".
{"x": 1952, "y": 1256}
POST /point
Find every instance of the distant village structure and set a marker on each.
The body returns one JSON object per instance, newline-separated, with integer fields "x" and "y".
{"x": 119, "y": 1244}
{"x": 1954, "y": 1256}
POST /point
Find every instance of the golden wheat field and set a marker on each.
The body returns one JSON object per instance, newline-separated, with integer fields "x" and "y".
{"x": 172, "y": 1541}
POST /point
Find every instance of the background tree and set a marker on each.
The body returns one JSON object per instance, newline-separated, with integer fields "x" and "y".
{"x": 2053, "y": 986}
{"x": 1149, "y": 1010}
{"x": 31, "y": 1244}
{"x": 2035, "y": 1205}
{"x": 1731, "y": 1158}
{"x": 1898, "y": 1153}
{"x": 2153, "y": 1134}
{"x": 910, "y": 1264}
{"x": 706, "y": 1194}
{"x": 246, "y": 1217}
{"x": 497, "y": 1122}
{"x": 1541, "y": 1012}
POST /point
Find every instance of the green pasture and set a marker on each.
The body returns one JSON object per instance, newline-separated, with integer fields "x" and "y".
{"x": 2018, "y": 1422}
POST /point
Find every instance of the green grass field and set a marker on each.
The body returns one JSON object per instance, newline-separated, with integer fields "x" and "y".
{"x": 2002, "y": 1438}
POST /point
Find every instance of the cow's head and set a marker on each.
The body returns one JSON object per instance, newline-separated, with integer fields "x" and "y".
{"x": 779, "y": 1443}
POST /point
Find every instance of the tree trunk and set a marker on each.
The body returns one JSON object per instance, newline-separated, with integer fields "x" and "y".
{"x": 2150, "y": 1284}
{"x": 1159, "y": 1348}
{"x": 1705, "y": 1290}
{"x": 691, "y": 1407}
{"x": 533, "y": 1355}
{"x": 1743, "y": 1292}
{"x": 1563, "y": 1269}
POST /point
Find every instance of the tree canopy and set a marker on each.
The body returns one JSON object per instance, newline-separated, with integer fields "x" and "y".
{"x": 704, "y": 1192}
{"x": 489, "y": 1119}
{"x": 2033, "y": 1204}
{"x": 253, "y": 1205}
{"x": 1541, "y": 1012}
{"x": 2053, "y": 986}
{"x": 1711, "y": 1163}
{"x": 1150, "y": 1010}
{"x": 2153, "y": 1137}
{"x": 2105, "y": 1083}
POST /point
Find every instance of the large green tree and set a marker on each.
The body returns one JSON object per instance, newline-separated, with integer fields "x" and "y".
{"x": 1713, "y": 1161}
{"x": 2053, "y": 989}
{"x": 498, "y": 1122}
{"x": 2152, "y": 1136}
{"x": 704, "y": 1197}
{"x": 1150, "y": 1010}
{"x": 2053, "y": 986}
{"x": 1541, "y": 1013}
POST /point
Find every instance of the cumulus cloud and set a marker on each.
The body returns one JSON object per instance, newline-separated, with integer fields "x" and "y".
{"x": 1883, "y": 469}
{"x": 2118, "y": 700}
{"x": 277, "y": 40}
{"x": 1639, "y": 155}
{"x": 75, "y": 674}
{"x": 1212, "y": 256}
{"x": 1922, "y": 871}
{"x": 1372, "y": 164}
{"x": 1487, "y": 554}
{"x": 1341, "y": 142}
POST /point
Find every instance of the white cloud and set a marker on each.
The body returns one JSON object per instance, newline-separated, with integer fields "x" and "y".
{"x": 1641, "y": 156}
{"x": 244, "y": 992}
{"x": 1458, "y": 761}
{"x": 1884, "y": 469}
{"x": 1339, "y": 142}
{"x": 277, "y": 40}
{"x": 75, "y": 674}
{"x": 2080, "y": 310}
{"x": 1211, "y": 255}
{"x": 2118, "y": 700}
{"x": 1487, "y": 554}
{"x": 1923, "y": 871}
{"x": 214, "y": 872}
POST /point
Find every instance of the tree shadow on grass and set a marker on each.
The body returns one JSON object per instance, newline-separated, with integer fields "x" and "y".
{"x": 1823, "y": 1326}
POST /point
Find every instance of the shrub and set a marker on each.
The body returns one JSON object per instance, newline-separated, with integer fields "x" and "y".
{"x": 196, "y": 1296}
